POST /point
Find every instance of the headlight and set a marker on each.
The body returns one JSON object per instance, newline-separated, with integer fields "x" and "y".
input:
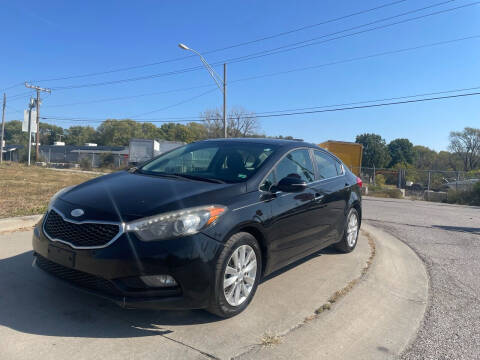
{"x": 57, "y": 194}
{"x": 176, "y": 223}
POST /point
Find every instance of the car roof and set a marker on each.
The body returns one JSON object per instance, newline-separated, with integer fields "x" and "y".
{"x": 266, "y": 141}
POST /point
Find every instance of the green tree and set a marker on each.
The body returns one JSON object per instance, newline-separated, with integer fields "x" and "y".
{"x": 375, "y": 151}
{"x": 79, "y": 135}
{"x": 14, "y": 134}
{"x": 49, "y": 133}
{"x": 401, "y": 152}
{"x": 118, "y": 132}
{"x": 425, "y": 158}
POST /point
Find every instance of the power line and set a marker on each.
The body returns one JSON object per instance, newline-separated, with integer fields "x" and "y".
{"x": 311, "y": 42}
{"x": 284, "y": 48}
{"x": 134, "y": 96}
{"x": 371, "y": 106}
{"x": 361, "y": 12}
{"x": 337, "y": 62}
{"x": 342, "y": 61}
{"x": 290, "y": 112}
{"x": 176, "y": 104}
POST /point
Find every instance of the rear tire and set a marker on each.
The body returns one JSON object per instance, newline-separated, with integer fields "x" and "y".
{"x": 350, "y": 234}
{"x": 237, "y": 275}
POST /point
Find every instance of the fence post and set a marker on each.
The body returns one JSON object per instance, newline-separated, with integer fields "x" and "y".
{"x": 458, "y": 178}
{"x": 374, "y": 183}
{"x": 93, "y": 157}
{"x": 428, "y": 186}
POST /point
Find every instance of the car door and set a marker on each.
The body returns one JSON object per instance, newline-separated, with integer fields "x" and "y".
{"x": 292, "y": 226}
{"x": 330, "y": 197}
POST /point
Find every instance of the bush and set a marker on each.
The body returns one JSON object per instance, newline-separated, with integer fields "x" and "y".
{"x": 380, "y": 180}
{"x": 467, "y": 197}
{"x": 386, "y": 192}
{"x": 85, "y": 163}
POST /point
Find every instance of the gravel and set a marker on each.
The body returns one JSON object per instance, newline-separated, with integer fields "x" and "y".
{"x": 447, "y": 238}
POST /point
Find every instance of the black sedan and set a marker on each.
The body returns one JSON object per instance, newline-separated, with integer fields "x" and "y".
{"x": 199, "y": 226}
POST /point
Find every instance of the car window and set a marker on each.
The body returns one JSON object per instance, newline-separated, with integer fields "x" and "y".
{"x": 268, "y": 182}
{"x": 326, "y": 165}
{"x": 296, "y": 164}
{"x": 230, "y": 162}
{"x": 339, "y": 168}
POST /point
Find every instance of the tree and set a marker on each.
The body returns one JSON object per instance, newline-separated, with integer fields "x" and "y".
{"x": 14, "y": 134}
{"x": 240, "y": 123}
{"x": 425, "y": 158}
{"x": 79, "y": 135}
{"x": 119, "y": 132}
{"x": 375, "y": 152}
{"x": 401, "y": 152}
{"x": 49, "y": 133}
{"x": 466, "y": 145}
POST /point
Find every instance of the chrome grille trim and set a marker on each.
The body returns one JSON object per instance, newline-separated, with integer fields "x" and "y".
{"x": 121, "y": 227}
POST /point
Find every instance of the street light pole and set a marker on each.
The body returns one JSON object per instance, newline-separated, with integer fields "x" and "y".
{"x": 222, "y": 84}
{"x": 225, "y": 101}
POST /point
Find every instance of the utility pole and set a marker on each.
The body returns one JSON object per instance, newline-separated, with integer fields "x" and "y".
{"x": 225, "y": 100}
{"x": 37, "y": 139}
{"x": 31, "y": 105}
{"x": 3, "y": 127}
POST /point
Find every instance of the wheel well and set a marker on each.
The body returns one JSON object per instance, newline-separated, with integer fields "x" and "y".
{"x": 257, "y": 234}
{"x": 356, "y": 206}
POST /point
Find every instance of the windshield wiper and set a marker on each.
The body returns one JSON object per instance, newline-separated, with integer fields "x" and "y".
{"x": 201, "y": 178}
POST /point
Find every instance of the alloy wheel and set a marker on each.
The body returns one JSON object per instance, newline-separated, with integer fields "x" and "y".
{"x": 240, "y": 275}
{"x": 352, "y": 229}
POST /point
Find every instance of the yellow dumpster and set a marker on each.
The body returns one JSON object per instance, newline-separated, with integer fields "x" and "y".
{"x": 350, "y": 153}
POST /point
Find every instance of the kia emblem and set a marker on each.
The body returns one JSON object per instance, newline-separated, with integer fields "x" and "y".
{"x": 77, "y": 212}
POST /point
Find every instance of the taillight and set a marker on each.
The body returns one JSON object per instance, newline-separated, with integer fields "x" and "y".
{"x": 359, "y": 182}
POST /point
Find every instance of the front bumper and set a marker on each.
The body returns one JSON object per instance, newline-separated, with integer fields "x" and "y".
{"x": 110, "y": 272}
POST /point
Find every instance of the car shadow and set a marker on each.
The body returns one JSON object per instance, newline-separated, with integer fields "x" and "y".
{"x": 36, "y": 303}
{"x": 472, "y": 230}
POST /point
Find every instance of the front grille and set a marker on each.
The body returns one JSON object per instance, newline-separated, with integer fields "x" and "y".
{"x": 79, "y": 235}
{"x": 77, "y": 277}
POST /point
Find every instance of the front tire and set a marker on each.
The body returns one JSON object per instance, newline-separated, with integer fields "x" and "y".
{"x": 350, "y": 234}
{"x": 237, "y": 275}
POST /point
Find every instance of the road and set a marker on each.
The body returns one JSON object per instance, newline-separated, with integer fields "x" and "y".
{"x": 447, "y": 238}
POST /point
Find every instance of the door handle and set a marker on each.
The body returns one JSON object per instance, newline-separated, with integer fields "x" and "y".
{"x": 318, "y": 196}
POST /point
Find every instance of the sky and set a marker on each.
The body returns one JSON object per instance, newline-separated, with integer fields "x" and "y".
{"x": 71, "y": 40}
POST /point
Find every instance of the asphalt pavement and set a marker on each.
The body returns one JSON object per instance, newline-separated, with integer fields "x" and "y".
{"x": 447, "y": 238}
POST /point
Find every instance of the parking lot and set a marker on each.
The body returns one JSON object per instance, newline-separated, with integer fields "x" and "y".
{"x": 42, "y": 317}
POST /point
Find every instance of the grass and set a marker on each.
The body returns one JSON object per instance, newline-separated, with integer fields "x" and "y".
{"x": 384, "y": 191}
{"x": 268, "y": 340}
{"x": 27, "y": 190}
{"x": 337, "y": 295}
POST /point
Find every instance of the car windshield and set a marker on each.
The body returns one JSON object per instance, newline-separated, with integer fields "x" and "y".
{"x": 212, "y": 161}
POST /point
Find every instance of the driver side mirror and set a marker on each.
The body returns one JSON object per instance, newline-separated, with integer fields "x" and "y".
{"x": 291, "y": 185}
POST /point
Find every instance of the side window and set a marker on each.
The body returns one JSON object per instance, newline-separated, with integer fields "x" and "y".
{"x": 296, "y": 164}
{"x": 340, "y": 170}
{"x": 268, "y": 182}
{"x": 326, "y": 165}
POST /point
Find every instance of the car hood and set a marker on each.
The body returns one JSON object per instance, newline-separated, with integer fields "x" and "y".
{"x": 125, "y": 196}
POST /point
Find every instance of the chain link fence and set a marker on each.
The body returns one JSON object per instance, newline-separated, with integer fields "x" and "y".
{"x": 62, "y": 158}
{"x": 426, "y": 184}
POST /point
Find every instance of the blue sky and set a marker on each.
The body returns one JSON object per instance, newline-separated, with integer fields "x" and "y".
{"x": 54, "y": 39}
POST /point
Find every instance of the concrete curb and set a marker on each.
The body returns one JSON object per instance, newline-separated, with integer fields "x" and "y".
{"x": 377, "y": 320}
{"x": 18, "y": 223}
